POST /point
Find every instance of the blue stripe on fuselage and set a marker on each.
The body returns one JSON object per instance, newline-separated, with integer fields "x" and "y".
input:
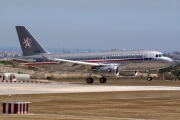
{"x": 118, "y": 60}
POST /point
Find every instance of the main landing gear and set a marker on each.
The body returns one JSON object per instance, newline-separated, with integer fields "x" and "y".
{"x": 102, "y": 80}
{"x": 90, "y": 80}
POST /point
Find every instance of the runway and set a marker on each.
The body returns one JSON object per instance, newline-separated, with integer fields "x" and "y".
{"x": 34, "y": 88}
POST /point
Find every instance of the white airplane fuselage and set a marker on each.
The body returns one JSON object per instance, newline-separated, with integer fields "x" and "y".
{"x": 106, "y": 64}
{"x": 125, "y": 60}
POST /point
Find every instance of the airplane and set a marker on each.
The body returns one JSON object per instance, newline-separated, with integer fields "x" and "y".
{"x": 106, "y": 64}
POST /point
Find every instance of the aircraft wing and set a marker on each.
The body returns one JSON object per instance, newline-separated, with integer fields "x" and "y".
{"x": 63, "y": 61}
{"x": 57, "y": 64}
{"x": 65, "y": 65}
{"x": 75, "y": 65}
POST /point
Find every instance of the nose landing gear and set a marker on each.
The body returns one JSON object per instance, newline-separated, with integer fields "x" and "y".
{"x": 149, "y": 78}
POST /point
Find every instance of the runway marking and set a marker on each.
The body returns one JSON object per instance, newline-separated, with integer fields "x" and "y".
{"x": 19, "y": 81}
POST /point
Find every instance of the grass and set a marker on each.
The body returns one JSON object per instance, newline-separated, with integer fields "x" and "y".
{"x": 108, "y": 105}
{"x": 103, "y": 105}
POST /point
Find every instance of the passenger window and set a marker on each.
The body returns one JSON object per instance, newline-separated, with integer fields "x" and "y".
{"x": 160, "y": 55}
{"x": 157, "y": 55}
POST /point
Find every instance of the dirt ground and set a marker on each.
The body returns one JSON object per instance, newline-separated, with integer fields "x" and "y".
{"x": 98, "y": 106}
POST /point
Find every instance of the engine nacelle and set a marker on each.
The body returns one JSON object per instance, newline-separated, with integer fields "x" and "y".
{"x": 108, "y": 71}
{"x": 128, "y": 73}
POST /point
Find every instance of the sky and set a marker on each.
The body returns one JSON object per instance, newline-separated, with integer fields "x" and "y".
{"x": 95, "y": 24}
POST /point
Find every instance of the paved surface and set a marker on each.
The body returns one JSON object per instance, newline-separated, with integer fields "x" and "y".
{"x": 35, "y": 88}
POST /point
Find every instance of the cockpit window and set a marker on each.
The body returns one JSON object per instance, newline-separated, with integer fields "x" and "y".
{"x": 164, "y": 55}
{"x": 160, "y": 55}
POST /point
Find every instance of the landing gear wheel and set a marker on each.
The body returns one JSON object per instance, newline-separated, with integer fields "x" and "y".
{"x": 102, "y": 80}
{"x": 89, "y": 80}
{"x": 149, "y": 78}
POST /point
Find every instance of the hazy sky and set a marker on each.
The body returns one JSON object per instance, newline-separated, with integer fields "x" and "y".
{"x": 98, "y": 24}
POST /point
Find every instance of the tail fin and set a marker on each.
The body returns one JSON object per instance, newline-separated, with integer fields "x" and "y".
{"x": 29, "y": 44}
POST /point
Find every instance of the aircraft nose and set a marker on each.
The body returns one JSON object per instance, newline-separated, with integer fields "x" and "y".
{"x": 169, "y": 61}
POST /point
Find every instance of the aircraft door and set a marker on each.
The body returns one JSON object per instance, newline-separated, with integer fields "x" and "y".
{"x": 146, "y": 56}
{"x": 104, "y": 58}
{"x": 11, "y": 78}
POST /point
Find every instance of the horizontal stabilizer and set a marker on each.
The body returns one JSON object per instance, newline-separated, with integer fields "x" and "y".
{"x": 15, "y": 60}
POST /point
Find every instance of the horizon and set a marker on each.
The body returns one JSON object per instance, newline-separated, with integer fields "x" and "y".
{"x": 100, "y": 24}
{"x": 74, "y": 50}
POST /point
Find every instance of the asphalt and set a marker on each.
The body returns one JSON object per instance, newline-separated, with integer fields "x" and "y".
{"x": 38, "y": 88}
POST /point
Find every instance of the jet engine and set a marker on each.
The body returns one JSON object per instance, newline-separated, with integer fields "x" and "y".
{"x": 128, "y": 73}
{"x": 108, "y": 71}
